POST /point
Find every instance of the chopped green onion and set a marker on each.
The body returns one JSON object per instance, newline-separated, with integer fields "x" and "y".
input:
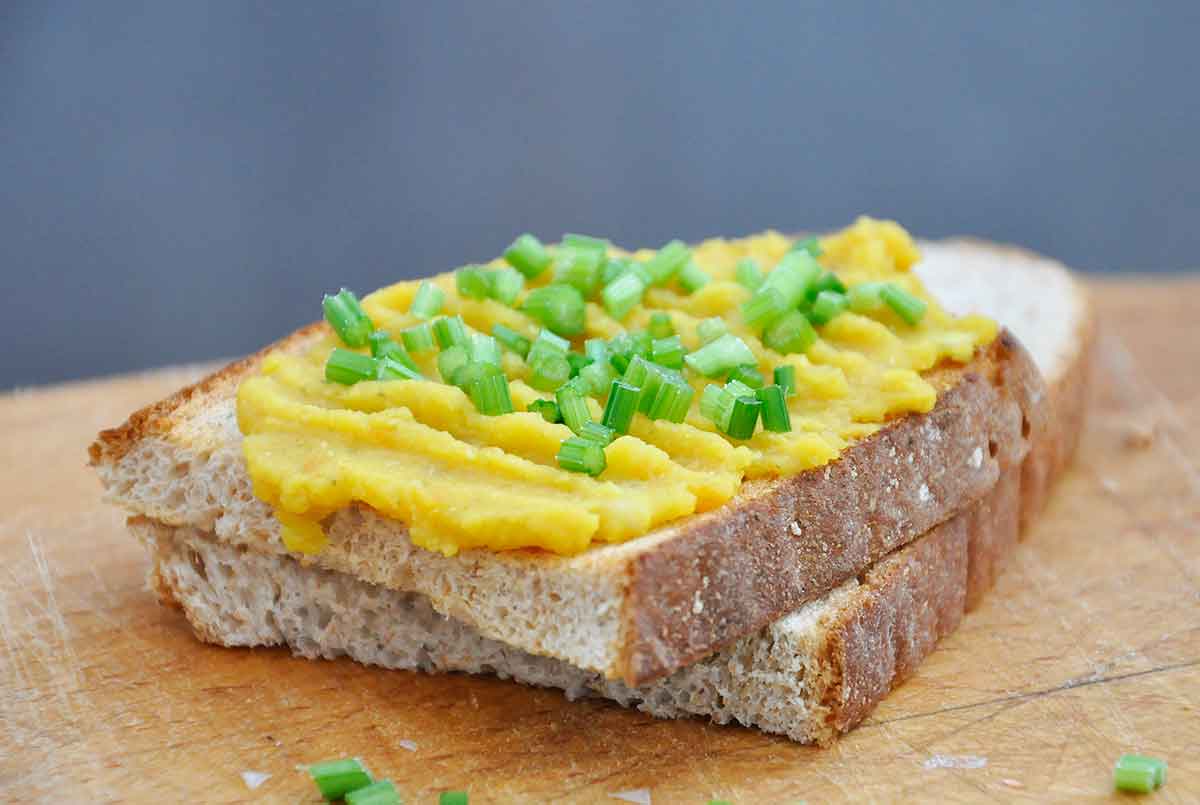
{"x": 749, "y": 375}
{"x": 466, "y": 374}
{"x": 381, "y": 792}
{"x": 810, "y": 245}
{"x": 392, "y": 369}
{"x": 549, "y": 372}
{"x": 578, "y": 268}
{"x": 490, "y": 393}
{"x": 573, "y": 407}
{"x": 671, "y": 400}
{"x": 586, "y": 243}
{"x": 744, "y": 417}
{"x": 428, "y": 301}
{"x": 775, "y": 415}
{"x": 577, "y": 361}
{"x": 637, "y": 371}
{"x": 450, "y": 331}
{"x": 865, "y": 297}
{"x": 527, "y": 255}
{"x": 547, "y": 408}
{"x": 667, "y": 262}
{"x": 667, "y": 352}
{"x": 748, "y": 274}
{"x": 596, "y": 349}
{"x": 826, "y": 282}
{"x": 716, "y": 404}
{"x": 378, "y": 340}
{"x": 347, "y": 318}
{"x": 418, "y": 338}
{"x": 511, "y": 339}
{"x": 600, "y": 434}
{"x": 792, "y": 333}
{"x": 485, "y": 349}
{"x": 507, "y": 285}
{"x": 337, "y": 778}
{"x": 577, "y": 454}
{"x": 598, "y": 375}
{"x": 579, "y": 385}
{"x": 1139, "y": 773}
{"x": 792, "y": 276}
{"x": 613, "y": 267}
{"x": 622, "y": 405}
{"x": 739, "y": 389}
{"x": 558, "y": 307}
{"x": 720, "y": 356}
{"x": 547, "y": 343}
{"x": 711, "y": 329}
{"x": 474, "y": 282}
{"x": 692, "y": 277}
{"x": 660, "y": 325}
{"x": 785, "y": 378}
{"x": 764, "y": 308}
{"x": 908, "y": 307}
{"x": 348, "y": 368}
{"x": 382, "y": 346}
{"x": 622, "y": 294}
{"x": 827, "y": 306}
{"x": 453, "y": 798}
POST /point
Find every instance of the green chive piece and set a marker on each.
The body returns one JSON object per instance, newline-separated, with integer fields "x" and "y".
{"x": 558, "y": 307}
{"x": 827, "y": 306}
{"x": 428, "y": 301}
{"x": 485, "y": 349}
{"x": 622, "y": 294}
{"x": 586, "y": 243}
{"x": 596, "y": 349}
{"x": 775, "y": 415}
{"x": 348, "y": 368}
{"x": 577, "y": 454}
{"x": 765, "y": 308}
{"x": 547, "y": 343}
{"x": 381, "y": 792}
{"x": 511, "y": 339}
{"x": 744, "y": 417}
{"x": 548, "y": 410}
{"x": 621, "y": 406}
{"x": 347, "y": 318}
{"x": 507, "y": 284}
{"x": 711, "y": 329}
{"x": 527, "y": 255}
{"x": 450, "y": 331}
{"x": 613, "y": 267}
{"x": 466, "y": 374}
{"x": 785, "y": 378}
{"x": 792, "y": 276}
{"x": 660, "y": 325}
{"x": 692, "y": 277}
{"x": 908, "y": 307}
{"x": 672, "y": 399}
{"x": 577, "y": 361}
{"x": 453, "y": 798}
{"x": 1139, "y": 773}
{"x": 598, "y": 433}
{"x": 667, "y": 262}
{"x": 598, "y": 375}
{"x": 716, "y": 405}
{"x": 739, "y": 389}
{"x": 573, "y": 408}
{"x": 720, "y": 356}
{"x": 749, "y": 375}
{"x": 450, "y": 360}
{"x": 791, "y": 334}
{"x": 337, "y": 778}
{"x": 418, "y": 338}
{"x": 473, "y": 282}
{"x": 826, "y": 282}
{"x": 579, "y": 268}
{"x": 810, "y": 245}
{"x": 382, "y": 346}
{"x": 865, "y": 297}
{"x": 391, "y": 369}
{"x": 667, "y": 352}
{"x": 549, "y": 372}
{"x": 490, "y": 393}
{"x": 749, "y": 274}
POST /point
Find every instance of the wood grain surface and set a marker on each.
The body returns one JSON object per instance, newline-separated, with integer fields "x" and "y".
{"x": 1088, "y": 647}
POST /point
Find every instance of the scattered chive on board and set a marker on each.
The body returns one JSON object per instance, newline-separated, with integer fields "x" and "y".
{"x": 337, "y": 778}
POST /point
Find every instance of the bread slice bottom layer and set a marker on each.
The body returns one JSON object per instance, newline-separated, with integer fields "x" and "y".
{"x": 810, "y": 675}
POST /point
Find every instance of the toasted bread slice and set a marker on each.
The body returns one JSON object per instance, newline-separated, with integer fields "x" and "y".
{"x": 642, "y": 609}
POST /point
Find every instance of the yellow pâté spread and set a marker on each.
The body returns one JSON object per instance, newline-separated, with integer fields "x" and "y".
{"x": 421, "y": 452}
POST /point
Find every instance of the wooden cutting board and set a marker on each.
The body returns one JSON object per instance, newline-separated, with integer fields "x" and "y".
{"x": 1088, "y": 647}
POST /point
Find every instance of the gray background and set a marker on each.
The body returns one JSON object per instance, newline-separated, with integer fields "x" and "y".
{"x": 183, "y": 181}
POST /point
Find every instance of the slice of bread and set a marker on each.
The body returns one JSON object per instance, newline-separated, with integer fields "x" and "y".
{"x": 809, "y": 675}
{"x": 642, "y": 609}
